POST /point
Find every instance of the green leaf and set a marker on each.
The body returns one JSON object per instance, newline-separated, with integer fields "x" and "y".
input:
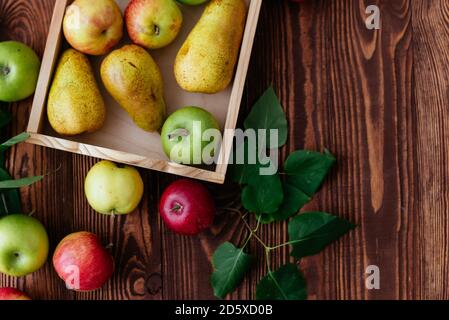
{"x": 242, "y": 173}
{"x": 267, "y": 113}
{"x": 263, "y": 195}
{"x": 15, "y": 140}
{"x": 310, "y": 232}
{"x": 286, "y": 283}
{"x": 9, "y": 199}
{"x": 306, "y": 170}
{"x": 230, "y": 265}
{"x": 5, "y": 117}
{"x": 13, "y": 184}
{"x": 265, "y": 218}
{"x": 294, "y": 200}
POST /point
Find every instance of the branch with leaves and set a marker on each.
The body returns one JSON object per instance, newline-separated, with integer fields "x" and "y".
{"x": 272, "y": 199}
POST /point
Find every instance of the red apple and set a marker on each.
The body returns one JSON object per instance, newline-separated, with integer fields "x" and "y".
{"x": 153, "y": 24}
{"x": 82, "y": 262}
{"x": 12, "y": 294}
{"x": 93, "y": 27}
{"x": 187, "y": 207}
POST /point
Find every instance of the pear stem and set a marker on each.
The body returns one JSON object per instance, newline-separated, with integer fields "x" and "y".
{"x": 180, "y": 132}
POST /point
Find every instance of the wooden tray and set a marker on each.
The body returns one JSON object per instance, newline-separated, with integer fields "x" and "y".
{"x": 120, "y": 140}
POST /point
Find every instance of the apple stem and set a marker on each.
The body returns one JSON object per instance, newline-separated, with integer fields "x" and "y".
{"x": 180, "y": 132}
{"x": 176, "y": 207}
{"x": 32, "y": 212}
{"x": 157, "y": 30}
{"x": 4, "y": 70}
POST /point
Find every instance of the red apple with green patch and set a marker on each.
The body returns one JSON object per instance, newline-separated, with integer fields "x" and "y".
{"x": 12, "y": 294}
{"x": 93, "y": 27}
{"x": 82, "y": 262}
{"x": 153, "y": 24}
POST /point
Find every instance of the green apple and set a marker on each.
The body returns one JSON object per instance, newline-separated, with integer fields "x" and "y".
{"x": 23, "y": 245}
{"x": 192, "y": 2}
{"x": 19, "y": 70}
{"x": 191, "y": 135}
{"x": 112, "y": 189}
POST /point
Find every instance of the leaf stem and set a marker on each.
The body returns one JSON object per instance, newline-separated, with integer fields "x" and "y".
{"x": 298, "y": 241}
{"x": 247, "y": 241}
{"x": 282, "y": 245}
{"x": 253, "y": 231}
{"x": 267, "y": 259}
{"x": 4, "y": 203}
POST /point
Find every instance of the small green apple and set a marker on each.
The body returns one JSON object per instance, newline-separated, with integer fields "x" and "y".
{"x": 192, "y": 2}
{"x": 191, "y": 135}
{"x": 23, "y": 245}
{"x": 111, "y": 189}
{"x": 19, "y": 70}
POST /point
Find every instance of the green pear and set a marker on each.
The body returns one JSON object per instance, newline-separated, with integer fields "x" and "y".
{"x": 75, "y": 104}
{"x": 134, "y": 80}
{"x": 206, "y": 61}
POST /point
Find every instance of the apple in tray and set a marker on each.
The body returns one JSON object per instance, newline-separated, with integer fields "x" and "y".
{"x": 93, "y": 27}
{"x": 153, "y": 24}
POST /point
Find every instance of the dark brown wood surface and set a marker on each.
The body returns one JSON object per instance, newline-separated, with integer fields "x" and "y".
{"x": 378, "y": 99}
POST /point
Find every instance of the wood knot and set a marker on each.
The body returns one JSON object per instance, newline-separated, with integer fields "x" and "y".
{"x": 154, "y": 283}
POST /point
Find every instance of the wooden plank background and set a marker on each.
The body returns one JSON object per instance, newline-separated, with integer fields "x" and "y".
{"x": 377, "y": 99}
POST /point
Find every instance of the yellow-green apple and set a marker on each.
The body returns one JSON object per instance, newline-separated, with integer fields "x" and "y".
{"x": 93, "y": 27}
{"x": 112, "y": 189}
{"x": 19, "y": 70}
{"x": 153, "y": 24}
{"x": 23, "y": 245}
{"x": 12, "y": 294}
{"x": 82, "y": 262}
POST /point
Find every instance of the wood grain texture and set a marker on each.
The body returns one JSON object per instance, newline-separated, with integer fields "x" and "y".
{"x": 431, "y": 101}
{"x": 377, "y": 99}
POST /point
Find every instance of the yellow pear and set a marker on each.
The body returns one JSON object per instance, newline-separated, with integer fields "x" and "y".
{"x": 133, "y": 78}
{"x": 75, "y": 104}
{"x": 206, "y": 61}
